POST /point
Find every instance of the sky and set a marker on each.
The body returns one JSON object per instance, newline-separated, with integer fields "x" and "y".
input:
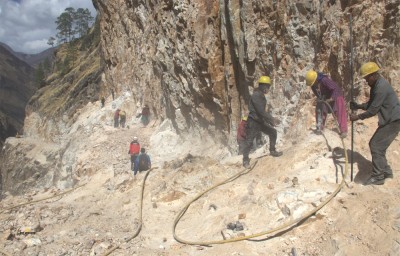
{"x": 26, "y": 25}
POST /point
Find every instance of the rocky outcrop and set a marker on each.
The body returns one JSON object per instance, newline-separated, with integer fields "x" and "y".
{"x": 196, "y": 63}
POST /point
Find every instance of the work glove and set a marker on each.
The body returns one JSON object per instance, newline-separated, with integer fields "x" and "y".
{"x": 354, "y": 117}
{"x": 354, "y": 105}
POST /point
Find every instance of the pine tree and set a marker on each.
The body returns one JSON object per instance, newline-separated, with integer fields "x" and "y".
{"x": 71, "y": 23}
{"x": 51, "y": 41}
{"x": 65, "y": 24}
{"x": 82, "y": 21}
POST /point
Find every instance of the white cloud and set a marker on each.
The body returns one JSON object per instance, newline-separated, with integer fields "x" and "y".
{"x": 35, "y": 44}
{"x": 27, "y": 25}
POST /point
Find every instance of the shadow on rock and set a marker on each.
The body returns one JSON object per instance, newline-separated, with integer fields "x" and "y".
{"x": 364, "y": 165}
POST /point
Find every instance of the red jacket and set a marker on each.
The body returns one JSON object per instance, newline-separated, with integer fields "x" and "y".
{"x": 116, "y": 114}
{"x": 241, "y": 132}
{"x": 134, "y": 148}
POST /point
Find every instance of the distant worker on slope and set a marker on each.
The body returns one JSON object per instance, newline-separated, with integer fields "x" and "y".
{"x": 260, "y": 120}
{"x": 145, "y": 115}
{"x": 134, "y": 150}
{"x": 122, "y": 118}
{"x": 142, "y": 162}
{"x": 327, "y": 90}
{"x": 116, "y": 118}
{"x": 384, "y": 102}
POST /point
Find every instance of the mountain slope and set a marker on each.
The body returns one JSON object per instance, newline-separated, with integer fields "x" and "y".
{"x": 16, "y": 88}
{"x": 32, "y": 59}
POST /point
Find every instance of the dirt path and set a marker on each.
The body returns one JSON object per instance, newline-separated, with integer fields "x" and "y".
{"x": 92, "y": 219}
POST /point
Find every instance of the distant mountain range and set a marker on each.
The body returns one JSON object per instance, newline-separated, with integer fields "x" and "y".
{"x": 32, "y": 59}
{"x": 16, "y": 88}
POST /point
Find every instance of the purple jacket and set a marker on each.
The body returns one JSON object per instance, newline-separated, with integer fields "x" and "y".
{"x": 327, "y": 88}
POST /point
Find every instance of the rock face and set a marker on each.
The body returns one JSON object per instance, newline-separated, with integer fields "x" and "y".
{"x": 196, "y": 63}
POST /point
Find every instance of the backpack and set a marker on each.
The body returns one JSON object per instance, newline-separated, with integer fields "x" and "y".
{"x": 143, "y": 162}
{"x": 242, "y": 131}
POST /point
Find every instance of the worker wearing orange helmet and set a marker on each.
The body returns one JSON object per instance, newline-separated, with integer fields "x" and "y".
{"x": 383, "y": 101}
{"x": 260, "y": 120}
{"x": 327, "y": 90}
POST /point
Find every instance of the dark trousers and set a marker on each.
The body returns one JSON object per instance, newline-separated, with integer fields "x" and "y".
{"x": 256, "y": 144}
{"x": 242, "y": 145}
{"x": 133, "y": 159}
{"x": 379, "y": 143}
{"x": 254, "y": 128}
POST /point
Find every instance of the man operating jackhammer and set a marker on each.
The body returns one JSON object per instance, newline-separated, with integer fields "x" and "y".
{"x": 260, "y": 120}
{"x": 383, "y": 101}
{"x": 325, "y": 89}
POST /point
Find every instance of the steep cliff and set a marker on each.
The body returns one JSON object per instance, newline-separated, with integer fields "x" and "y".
{"x": 196, "y": 63}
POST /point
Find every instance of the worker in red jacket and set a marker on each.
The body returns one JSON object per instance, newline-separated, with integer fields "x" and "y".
{"x": 134, "y": 150}
{"x": 116, "y": 118}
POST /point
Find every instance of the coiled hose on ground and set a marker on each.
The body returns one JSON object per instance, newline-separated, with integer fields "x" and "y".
{"x": 264, "y": 233}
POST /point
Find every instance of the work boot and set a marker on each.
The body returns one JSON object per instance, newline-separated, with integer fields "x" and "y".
{"x": 318, "y": 132}
{"x": 275, "y": 153}
{"x": 246, "y": 164}
{"x": 388, "y": 175}
{"x": 374, "y": 181}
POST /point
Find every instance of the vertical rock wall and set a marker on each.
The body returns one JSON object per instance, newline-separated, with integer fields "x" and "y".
{"x": 196, "y": 62}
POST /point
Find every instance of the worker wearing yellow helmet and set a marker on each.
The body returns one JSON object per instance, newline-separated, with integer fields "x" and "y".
{"x": 260, "y": 121}
{"x": 383, "y": 101}
{"x": 327, "y": 91}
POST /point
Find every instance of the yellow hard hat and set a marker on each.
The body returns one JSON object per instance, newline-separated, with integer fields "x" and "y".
{"x": 264, "y": 80}
{"x": 244, "y": 118}
{"x": 368, "y": 68}
{"x": 311, "y": 76}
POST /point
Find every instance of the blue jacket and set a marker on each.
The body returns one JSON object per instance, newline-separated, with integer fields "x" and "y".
{"x": 137, "y": 161}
